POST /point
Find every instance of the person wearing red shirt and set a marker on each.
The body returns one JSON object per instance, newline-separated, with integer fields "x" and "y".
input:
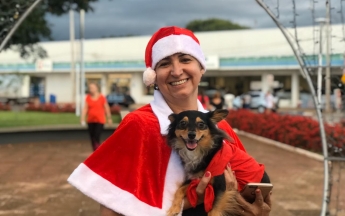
{"x": 134, "y": 172}
{"x": 95, "y": 108}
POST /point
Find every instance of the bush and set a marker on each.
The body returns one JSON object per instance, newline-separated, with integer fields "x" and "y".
{"x": 298, "y": 131}
{"x": 115, "y": 109}
{"x": 54, "y": 108}
{"x": 4, "y": 107}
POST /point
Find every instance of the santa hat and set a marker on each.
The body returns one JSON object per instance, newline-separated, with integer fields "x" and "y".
{"x": 168, "y": 41}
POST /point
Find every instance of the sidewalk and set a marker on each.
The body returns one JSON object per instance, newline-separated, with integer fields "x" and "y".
{"x": 33, "y": 179}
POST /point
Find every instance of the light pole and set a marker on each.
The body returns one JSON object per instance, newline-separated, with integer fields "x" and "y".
{"x": 82, "y": 70}
{"x": 328, "y": 61}
{"x": 322, "y": 22}
{"x": 73, "y": 75}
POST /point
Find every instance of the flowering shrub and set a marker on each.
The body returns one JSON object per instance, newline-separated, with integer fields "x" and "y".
{"x": 298, "y": 131}
{"x": 66, "y": 108}
{"x": 115, "y": 109}
{"x": 54, "y": 108}
{"x": 4, "y": 107}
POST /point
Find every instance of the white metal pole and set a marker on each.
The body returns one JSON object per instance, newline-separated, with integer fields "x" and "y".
{"x": 82, "y": 70}
{"x": 73, "y": 73}
{"x": 328, "y": 60}
{"x": 15, "y": 27}
{"x": 319, "y": 72}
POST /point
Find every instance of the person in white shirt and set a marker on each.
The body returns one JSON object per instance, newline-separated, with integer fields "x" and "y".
{"x": 270, "y": 104}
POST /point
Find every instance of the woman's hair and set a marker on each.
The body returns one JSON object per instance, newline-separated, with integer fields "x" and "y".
{"x": 96, "y": 84}
{"x": 216, "y": 95}
{"x": 202, "y": 94}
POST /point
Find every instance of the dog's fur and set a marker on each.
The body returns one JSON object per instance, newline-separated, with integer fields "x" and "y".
{"x": 196, "y": 138}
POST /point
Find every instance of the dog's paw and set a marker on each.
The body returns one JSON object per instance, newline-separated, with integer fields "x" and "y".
{"x": 174, "y": 210}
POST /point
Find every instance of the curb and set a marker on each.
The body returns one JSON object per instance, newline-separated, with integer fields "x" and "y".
{"x": 51, "y": 128}
{"x": 287, "y": 147}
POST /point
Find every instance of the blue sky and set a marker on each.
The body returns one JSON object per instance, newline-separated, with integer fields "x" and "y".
{"x": 143, "y": 17}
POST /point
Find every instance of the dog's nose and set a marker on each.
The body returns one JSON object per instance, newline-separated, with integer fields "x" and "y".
{"x": 191, "y": 134}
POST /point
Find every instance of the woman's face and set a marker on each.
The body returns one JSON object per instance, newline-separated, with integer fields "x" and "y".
{"x": 93, "y": 88}
{"x": 178, "y": 76}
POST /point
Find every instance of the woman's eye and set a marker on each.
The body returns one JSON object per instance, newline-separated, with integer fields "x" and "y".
{"x": 185, "y": 60}
{"x": 163, "y": 64}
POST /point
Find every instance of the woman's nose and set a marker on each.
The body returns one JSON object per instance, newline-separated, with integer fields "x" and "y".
{"x": 176, "y": 69}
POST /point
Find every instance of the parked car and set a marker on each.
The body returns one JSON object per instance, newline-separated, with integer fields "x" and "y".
{"x": 257, "y": 100}
{"x": 120, "y": 99}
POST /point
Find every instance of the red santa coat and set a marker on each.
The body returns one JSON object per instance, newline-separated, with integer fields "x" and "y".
{"x": 134, "y": 172}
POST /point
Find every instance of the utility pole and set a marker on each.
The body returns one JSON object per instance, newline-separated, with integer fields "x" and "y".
{"x": 72, "y": 37}
{"x": 322, "y": 22}
{"x": 82, "y": 69}
{"x": 328, "y": 60}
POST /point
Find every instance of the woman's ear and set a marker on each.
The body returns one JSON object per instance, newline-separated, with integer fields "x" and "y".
{"x": 202, "y": 70}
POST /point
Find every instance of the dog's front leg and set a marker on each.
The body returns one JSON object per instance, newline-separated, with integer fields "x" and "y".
{"x": 176, "y": 207}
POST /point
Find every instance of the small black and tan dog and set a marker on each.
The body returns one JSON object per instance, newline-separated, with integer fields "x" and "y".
{"x": 196, "y": 138}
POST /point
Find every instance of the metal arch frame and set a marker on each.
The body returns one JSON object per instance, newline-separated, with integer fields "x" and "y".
{"x": 305, "y": 74}
{"x": 15, "y": 27}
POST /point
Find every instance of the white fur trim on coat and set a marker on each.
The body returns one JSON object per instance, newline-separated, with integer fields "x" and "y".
{"x": 121, "y": 201}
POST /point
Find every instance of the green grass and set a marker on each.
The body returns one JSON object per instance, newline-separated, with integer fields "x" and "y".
{"x": 20, "y": 119}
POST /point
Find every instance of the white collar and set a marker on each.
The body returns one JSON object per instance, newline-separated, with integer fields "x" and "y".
{"x": 161, "y": 109}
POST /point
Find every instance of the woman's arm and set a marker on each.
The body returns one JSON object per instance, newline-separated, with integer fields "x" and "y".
{"x": 107, "y": 212}
{"x": 107, "y": 112}
{"x": 83, "y": 113}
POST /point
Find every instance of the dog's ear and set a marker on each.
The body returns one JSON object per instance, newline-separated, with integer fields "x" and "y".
{"x": 172, "y": 117}
{"x": 218, "y": 115}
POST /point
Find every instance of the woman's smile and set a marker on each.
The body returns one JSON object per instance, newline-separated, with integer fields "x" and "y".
{"x": 180, "y": 82}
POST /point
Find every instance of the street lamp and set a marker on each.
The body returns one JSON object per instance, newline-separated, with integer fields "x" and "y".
{"x": 322, "y": 22}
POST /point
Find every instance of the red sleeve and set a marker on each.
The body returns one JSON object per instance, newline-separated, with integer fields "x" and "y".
{"x": 246, "y": 168}
{"x": 228, "y": 129}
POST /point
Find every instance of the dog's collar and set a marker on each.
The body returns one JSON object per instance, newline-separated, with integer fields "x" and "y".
{"x": 161, "y": 109}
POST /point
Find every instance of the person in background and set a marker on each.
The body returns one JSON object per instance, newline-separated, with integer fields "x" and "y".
{"x": 205, "y": 101}
{"x": 270, "y": 102}
{"x": 96, "y": 107}
{"x": 246, "y": 101}
{"x": 216, "y": 102}
{"x": 228, "y": 100}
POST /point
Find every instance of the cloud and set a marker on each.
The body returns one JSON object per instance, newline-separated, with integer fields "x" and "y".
{"x": 143, "y": 17}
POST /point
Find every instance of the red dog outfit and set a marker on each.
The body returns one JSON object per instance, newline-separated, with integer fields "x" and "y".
{"x": 134, "y": 172}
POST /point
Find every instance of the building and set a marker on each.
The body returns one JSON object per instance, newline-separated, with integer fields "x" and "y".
{"x": 236, "y": 60}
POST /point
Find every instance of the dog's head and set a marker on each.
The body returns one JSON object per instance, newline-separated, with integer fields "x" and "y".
{"x": 194, "y": 130}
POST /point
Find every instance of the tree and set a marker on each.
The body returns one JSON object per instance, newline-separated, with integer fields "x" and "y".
{"x": 213, "y": 24}
{"x": 35, "y": 27}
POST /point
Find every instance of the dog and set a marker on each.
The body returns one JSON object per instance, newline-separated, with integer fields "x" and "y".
{"x": 196, "y": 138}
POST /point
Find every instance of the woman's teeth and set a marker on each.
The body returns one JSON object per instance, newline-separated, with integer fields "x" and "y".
{"x": 179, "y": 82}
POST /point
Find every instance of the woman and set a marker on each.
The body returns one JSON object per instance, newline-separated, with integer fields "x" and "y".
{"x": 134, "y": 172}
{"x": 217, "y": 102}
{"x": 95, "y": 108}
{"x": 205, "y": 101}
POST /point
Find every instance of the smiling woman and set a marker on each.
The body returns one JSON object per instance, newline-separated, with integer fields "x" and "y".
{"x": 135, "y": 172}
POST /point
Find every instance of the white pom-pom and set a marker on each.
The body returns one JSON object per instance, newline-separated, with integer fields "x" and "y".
{"x": 149, "y": 76}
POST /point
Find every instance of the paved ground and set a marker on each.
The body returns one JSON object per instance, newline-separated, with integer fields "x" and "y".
{"x": 33, "y": 179}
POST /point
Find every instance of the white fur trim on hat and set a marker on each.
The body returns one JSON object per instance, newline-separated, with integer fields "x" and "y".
{"x": 149, "y": 76}
{"x": 177, "y": 44}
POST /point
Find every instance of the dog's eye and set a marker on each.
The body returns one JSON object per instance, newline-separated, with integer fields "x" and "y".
{"x": 183, "y": 124}
{"x": 201, "y": 125}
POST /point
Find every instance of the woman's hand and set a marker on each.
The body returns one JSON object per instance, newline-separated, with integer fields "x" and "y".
{"x": 230, "y": 180}
{"x": 260, "y": 207}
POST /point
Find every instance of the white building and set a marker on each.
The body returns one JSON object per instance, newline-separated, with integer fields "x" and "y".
{"x": 236, "y": 60}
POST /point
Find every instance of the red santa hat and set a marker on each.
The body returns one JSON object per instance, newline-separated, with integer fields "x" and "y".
{"x": 168, "y": 41}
